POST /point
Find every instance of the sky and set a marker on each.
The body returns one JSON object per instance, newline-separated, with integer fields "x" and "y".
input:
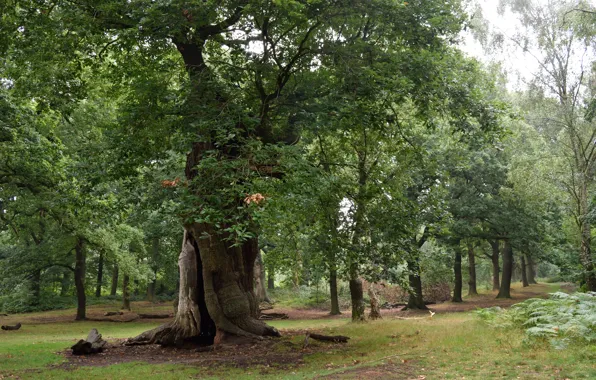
{"x": 520, "y": 67}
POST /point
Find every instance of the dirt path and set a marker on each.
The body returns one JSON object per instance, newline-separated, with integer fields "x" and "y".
{"x": 485, "y": 300}
{"x": 470, "y": 303}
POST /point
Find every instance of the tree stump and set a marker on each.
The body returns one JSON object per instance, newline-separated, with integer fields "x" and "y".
{"x": 92, "y": 345}
{"x": 12, "y": 328}
{"x": 375, "y": 308}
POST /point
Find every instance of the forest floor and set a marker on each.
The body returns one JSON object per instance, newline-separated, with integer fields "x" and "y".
{"x": 453, "y": 344}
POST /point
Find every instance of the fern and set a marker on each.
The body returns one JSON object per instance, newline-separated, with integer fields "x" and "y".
{"x": 562, "y": 318}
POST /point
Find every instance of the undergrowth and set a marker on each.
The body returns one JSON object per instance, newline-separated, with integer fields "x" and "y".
{"x": 562, "y": 319}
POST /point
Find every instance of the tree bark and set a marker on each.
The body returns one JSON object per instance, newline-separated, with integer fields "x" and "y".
{"x": 99, "y": 276}
{"x": 270, "y": 279}
{"x": 357, "y": 296}
{"x": 524, "y": 271}
{"x": 495, "y": 261}
{"x": 115, "y": 274}
{"x": 586, "y": 238}
{"x": 333, "y": 291}
{"x": 531, "y": 270}
{"x": 472, "y": 291}
{"x": 505, "y": 289}
{"x": 375, "y": 307}
{"x": 216, "y": 296}
{"x": 457, "y": 288}
{"x": 80, "y": 270}
{"x": 126, "y": 292}
{"x": 259, "y": 280}
{"x": 151, "y": 290}
{"x": 415, "y": 299}
{"x": 136, "y": 288}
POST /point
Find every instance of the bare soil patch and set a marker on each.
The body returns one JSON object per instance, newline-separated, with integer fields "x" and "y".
{"x": 274, "y": 352}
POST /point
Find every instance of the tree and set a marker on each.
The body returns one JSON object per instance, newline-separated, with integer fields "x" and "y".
{"x": 564, "y": 37}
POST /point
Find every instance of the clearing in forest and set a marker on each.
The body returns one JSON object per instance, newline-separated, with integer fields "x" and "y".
{"x": 449, "y": 345}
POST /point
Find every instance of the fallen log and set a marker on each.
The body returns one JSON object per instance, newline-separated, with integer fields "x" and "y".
{"x": 3, "y": 315}
{"x": 325, "y": 338}
{"x": 92, "y": 345}
{"x": 12, "y": 328}
{"x": 111, "y": 313}
{"x": 330, "y": 338}
{"x": 270, "y": 316}
{"x": 155, "y": 316}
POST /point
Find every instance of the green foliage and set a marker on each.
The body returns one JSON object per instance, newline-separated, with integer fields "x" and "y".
{"x": 562, "y": 319}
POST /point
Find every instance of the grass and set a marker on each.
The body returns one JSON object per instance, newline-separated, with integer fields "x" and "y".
{"x": 448, "y": 346}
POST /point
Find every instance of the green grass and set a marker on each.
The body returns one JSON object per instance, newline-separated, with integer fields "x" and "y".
{"x": 449, "y": 346}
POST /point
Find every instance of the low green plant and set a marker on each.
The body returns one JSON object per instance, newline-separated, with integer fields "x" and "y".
{"x": 561, "y": 319}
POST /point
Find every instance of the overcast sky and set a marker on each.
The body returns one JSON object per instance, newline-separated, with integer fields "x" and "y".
{"x": 520, "y": 67}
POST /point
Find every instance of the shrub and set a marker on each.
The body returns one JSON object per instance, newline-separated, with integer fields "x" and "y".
{"x": 561, "y": 319}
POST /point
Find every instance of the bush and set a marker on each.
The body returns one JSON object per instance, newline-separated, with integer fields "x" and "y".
{"x": 561, "y": 319}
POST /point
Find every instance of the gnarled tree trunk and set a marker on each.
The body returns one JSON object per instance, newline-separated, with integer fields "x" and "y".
{"x": 216, "y": 296}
